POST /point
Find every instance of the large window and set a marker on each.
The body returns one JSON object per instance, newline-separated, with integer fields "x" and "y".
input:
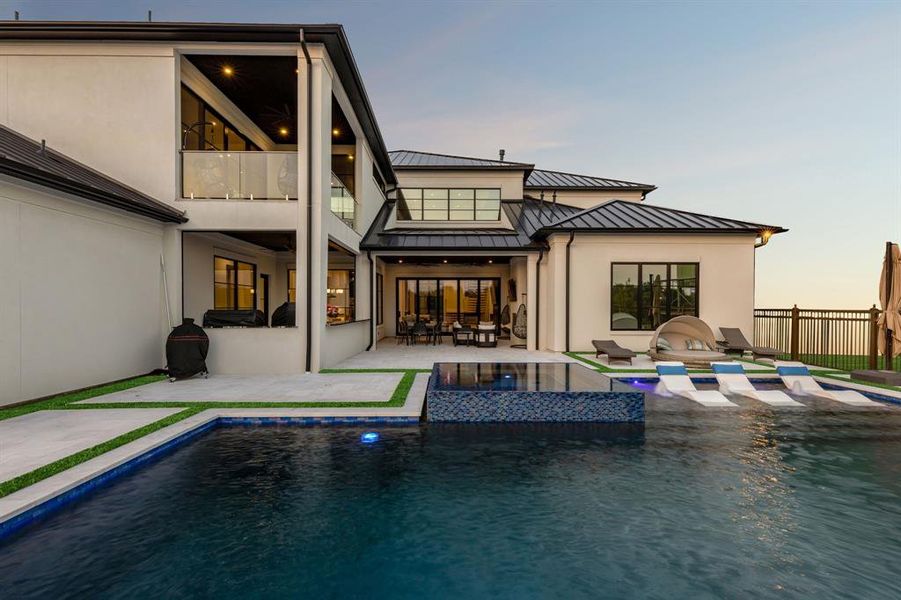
{"x": 341, "y": 285}
{"x": 445, "y": 301}
{"x": 645, "y": 295}
{"x": 204, "y": 129}
{"x": 454, "y": 204}
{"x": 233, "y": 284}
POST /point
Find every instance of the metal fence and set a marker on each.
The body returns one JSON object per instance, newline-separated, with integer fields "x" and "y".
{"x": 838, "y": 339}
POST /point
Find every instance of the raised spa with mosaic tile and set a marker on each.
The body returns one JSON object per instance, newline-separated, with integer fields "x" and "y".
{"x": 527, "y": 392}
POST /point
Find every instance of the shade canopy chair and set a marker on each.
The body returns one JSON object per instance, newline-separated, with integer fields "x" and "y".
{"x": 685, "y": 339}
{"x": 519, "y": 325}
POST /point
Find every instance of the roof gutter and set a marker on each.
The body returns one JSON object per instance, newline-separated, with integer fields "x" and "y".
{"x": 572, "y": 236}
{"x": 309, "y": 221}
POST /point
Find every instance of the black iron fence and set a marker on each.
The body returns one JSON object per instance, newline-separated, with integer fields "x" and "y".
{"x": 838, "y": 339}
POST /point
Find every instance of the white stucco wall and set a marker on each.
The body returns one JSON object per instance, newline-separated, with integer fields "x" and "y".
{"x": 110, "y": 106}
{"x": 81, "y": 301}
{"x": 726, "y": 287}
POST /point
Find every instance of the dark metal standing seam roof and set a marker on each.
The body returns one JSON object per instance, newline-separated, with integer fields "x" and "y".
{"x": 22, "y": 158}
{"x": 624, "y": 216}
{"x": 542, "y": 179}
{"x": 411, "y": 159}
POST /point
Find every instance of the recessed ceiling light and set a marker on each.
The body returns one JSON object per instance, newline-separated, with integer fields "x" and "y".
{"x": 283, "y": 131}
{"x": 445, "y": 260}
{"x": 490, "y": 261}
{"x": 400, "y": 260}
{"x": 227, "y": 71}
{"x": 336, "y": 132}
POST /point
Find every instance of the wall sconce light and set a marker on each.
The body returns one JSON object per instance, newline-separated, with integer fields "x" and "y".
{"x": 765, "y": 235}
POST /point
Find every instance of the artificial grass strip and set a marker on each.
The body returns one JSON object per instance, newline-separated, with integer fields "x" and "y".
{"x": 49, "y": 470}
{"x": 835, "y": 375}
{"x": 387, "y": 370}
{"x": 63, "y": 400}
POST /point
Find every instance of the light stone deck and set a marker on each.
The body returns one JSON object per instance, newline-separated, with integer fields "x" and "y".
{"x": 391, "y": 355}
{"x": 332, "y": 387}
{"x": 42, "y": 437}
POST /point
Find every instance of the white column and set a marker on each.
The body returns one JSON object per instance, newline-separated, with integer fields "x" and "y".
{"x": 531, "y": 297}
{"x": 555, "y": 284}
{"x": 302, "y": 224}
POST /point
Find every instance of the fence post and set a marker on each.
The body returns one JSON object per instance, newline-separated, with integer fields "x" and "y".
{"x": 794, "y": 342}
{"x": 874, "y": 338}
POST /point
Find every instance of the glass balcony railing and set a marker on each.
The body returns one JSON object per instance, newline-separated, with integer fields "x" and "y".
{"x": 343, "y": 203}
{"x": 239, "y": 175}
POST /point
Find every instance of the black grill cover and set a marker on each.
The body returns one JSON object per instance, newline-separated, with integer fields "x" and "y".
{"x": 284, "y": 315}
{"x": 186, "y": 350}
{"x": 234, "y": 318}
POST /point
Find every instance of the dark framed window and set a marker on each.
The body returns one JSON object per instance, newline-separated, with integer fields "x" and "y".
{"x": 341, "y": 286}
{"x": 202, "y": 128}
{"x": 379, "y": 298}
{"x": 645, "y": 295}
{"x": 449, "y": 300}
{"x": 449, "y": 204}
{"x": 292, "y": 285}
{"x": 234, "y": 284}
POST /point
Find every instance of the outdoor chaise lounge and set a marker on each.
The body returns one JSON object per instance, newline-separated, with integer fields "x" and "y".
{"x": 798, "y": 379}
{"x": 737, "y": 342}
{"x": 674, "y": 380}
{"x": 732, "y": 379}
{"x": 685, "y": 339}
{"x": 613, "y": 350}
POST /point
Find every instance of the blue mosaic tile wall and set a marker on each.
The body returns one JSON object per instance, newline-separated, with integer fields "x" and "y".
{"x": 518, "y": 406}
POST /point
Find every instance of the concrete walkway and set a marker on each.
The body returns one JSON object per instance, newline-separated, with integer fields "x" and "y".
{"x": 333, "y": 387}
{"x": 42, "y": 437}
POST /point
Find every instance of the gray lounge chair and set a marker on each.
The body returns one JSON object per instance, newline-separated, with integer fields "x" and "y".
{"x": 737, "y": 342}
{"x": 613, "y": 350}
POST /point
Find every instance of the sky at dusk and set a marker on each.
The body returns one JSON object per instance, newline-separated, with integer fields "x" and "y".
{"x": 781, "y": 113}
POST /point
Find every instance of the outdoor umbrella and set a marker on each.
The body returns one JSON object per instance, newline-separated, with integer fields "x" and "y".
{"x": 890, "y": 298}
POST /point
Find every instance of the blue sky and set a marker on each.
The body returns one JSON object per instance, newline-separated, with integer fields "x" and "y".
{"x": 782, "y": 113}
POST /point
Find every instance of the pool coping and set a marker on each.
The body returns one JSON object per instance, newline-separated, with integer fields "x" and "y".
{"x": 41, "y": 499}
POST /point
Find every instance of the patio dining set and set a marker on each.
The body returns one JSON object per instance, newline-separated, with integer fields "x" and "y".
{"x": 412, "y": 332}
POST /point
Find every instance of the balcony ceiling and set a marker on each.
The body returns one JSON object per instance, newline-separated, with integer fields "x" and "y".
{"x": 263, "y": 87}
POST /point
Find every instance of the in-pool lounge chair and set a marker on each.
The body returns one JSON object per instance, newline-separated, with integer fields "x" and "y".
{"x": 685, "y": 339}
{"x": 613, "y": 350}
{"x": 732, "y": 379}
{"x": 798, "y": 379}
{"x": 737, "y": 342}
{"x": 674, "y": 380}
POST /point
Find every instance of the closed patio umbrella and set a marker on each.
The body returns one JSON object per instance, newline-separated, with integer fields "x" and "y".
{"x": 890, "y": 299}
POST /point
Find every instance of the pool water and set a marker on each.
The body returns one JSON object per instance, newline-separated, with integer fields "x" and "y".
{"x": 719, "y": 504}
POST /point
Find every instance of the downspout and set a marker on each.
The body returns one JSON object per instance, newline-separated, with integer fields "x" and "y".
{"x": 309, "y": 278}
{"x": 538, "y": 297}
{"x": 572, "y": 236}
{"x": 372, "y": 293}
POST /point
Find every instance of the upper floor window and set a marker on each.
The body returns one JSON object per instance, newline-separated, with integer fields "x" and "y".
{"x": 449, "y": 204}
{"x": 202, "y": 128}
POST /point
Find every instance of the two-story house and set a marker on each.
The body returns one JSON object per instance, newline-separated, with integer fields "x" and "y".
{"x": 236, "y": 174}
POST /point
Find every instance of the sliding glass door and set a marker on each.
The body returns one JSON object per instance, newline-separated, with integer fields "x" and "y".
{"x": 448, "y": 300}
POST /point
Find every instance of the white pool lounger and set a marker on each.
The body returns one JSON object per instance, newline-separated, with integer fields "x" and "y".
{"x": 674, "y": 380}
{"x": 797, "y": 378}
{"x": 732, "y": 379}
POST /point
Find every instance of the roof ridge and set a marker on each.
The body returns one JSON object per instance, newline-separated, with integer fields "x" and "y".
{"x": 494, "y": 160}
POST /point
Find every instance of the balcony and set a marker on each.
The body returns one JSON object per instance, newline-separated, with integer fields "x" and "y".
{"x": 344, "y": 206}
{"x": 239, "y": 175}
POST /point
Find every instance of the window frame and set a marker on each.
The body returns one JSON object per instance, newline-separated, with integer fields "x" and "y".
{"x": 234, "y": 298}
{"x": 352, "y": 284}
{"x": 379, "y": 299}
{"x": 448, "y": 200}
{"x": 639, "y": 306}
{"x": 227, "y": 127}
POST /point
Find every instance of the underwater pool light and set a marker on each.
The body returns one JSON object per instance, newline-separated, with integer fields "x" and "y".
{"x": 370, "y": 437}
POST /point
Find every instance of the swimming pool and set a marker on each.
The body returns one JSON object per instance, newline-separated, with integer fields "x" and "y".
{"x": 705, "y": 504}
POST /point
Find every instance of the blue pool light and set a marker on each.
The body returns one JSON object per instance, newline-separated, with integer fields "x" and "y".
{"x": 370, "y": 437}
